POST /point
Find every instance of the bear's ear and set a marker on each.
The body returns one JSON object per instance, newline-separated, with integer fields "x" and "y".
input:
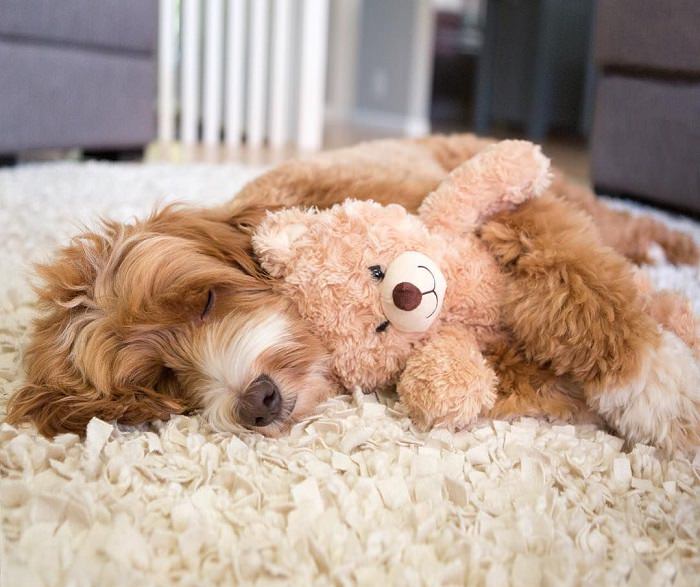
{"x": 276, "y": 238}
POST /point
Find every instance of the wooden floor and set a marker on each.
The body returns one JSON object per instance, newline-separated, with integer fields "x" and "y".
{"x": 569, "y": 154}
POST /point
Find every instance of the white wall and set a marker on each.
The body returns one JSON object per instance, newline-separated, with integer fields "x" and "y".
{"x": 380, "y": 68}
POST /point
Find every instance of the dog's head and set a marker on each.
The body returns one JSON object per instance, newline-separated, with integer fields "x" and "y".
{"x": 139, "y": 321}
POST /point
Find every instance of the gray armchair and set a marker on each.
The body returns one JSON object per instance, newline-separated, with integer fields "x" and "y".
{"x": 646, "y": 131}
{"x": 77, "y": 73}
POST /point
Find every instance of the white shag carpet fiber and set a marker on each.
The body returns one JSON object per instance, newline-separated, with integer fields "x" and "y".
{"x": 353, "y": 496}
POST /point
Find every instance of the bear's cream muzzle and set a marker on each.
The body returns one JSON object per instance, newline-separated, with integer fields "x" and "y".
{"x": 412, "y": 292}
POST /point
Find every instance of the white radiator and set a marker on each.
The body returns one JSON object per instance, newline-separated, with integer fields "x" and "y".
{"x": 243, "y": 72}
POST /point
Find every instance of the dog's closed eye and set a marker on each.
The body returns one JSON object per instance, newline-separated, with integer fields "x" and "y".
{"x": 209, "y": 305}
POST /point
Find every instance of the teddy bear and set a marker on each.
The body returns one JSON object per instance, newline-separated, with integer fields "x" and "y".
{"x": 419, "y": 302}
{"x": 373, "y": 281}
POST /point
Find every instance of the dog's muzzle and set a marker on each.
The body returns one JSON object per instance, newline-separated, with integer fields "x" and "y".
{"x": 412, "y": 292}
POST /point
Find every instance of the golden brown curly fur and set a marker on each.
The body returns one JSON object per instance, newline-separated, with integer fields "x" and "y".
{"x": 575, "y": 308}
{"x": 572, "y": 302}
{"x": 528, "y": 389}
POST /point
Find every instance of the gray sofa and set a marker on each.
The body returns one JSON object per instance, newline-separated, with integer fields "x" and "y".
{"x": 646, "y": 131}
{"x": 77, "y": 74}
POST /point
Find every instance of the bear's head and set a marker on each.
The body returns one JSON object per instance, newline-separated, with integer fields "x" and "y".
{"x": 367, "y": 277}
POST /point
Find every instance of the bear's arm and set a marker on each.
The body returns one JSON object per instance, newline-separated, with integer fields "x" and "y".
{"x": 447, "y": 382}
{"x": 495, "y": 180}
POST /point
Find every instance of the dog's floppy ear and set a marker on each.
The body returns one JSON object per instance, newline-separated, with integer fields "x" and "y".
{"x": 60, "y": 394}
{"x": 278, "y": 236}
{"x": 57, "y": 397}
{"x": 55, "y": 410}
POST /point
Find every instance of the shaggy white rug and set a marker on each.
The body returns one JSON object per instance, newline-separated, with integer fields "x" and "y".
{"x": 353, "y": 496}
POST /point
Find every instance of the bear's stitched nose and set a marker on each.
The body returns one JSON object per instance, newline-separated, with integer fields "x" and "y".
{"x": 406, "y": 296}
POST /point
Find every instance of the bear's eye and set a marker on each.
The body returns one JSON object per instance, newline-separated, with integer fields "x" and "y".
{"x": 376, "y": 272}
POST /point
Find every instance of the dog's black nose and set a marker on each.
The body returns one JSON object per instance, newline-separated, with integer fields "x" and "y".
{"x": 261, "y": 403}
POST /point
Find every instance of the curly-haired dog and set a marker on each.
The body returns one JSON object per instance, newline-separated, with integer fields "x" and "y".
{"x": 172, "y": 313}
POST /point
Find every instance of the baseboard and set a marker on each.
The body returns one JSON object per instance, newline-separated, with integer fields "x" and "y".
{"x": 409, "y": 126}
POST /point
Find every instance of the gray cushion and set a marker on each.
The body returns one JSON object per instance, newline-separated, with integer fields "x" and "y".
{"x": 661, "y": 35}
{"x": 109, "y": 24}
{"x": 646, "y": 139}
{"x": 65, "y": 97}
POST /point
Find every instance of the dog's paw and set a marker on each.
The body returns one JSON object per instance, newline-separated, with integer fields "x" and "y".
{"x": 679, "y": 248}
{"x": 661, "y": 405}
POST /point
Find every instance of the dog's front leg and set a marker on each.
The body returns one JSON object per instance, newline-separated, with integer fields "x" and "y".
{"x": 573, "y": 304}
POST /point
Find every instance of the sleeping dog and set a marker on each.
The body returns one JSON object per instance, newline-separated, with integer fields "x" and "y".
{"x": 172, "y": 313}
